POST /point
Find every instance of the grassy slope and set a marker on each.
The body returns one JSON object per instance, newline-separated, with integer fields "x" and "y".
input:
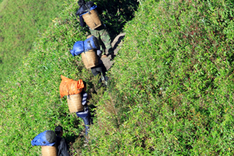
{"x": 30, "y": 99}
{"x": 2, "y": 4}
{"x": 20, "y": 23}
{"x": 171, "y": 90}
{"x": 33, "y": 105}
{"x": 172, "y": 83}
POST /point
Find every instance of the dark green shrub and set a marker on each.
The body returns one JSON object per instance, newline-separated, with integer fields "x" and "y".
{"x": 30, "y": 100}
{"x": 173, "y": 83}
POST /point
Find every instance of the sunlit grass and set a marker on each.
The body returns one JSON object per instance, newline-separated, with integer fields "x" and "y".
{"x": 170, "y": 90}
{"x": 172, "y": 83}
{"x": 20, "y": 23}
{"x": 30, "y": 100}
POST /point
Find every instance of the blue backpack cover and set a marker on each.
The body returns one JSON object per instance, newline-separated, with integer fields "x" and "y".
{"x": 78, "y": 48}
{"x": 88, "y": 9}
{"x": 40, "y": 140}
{"x": 91, "y": 43}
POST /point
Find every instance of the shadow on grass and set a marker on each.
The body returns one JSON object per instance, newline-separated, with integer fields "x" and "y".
{"x": 71, "y": 138}
{"x": 116, "y": 13}
{"x": 117, "y": 43}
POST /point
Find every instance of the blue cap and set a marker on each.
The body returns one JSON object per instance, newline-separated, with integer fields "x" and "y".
{"x": 46, "y": 138}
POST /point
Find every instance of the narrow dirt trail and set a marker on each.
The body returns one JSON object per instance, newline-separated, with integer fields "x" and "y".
{"x": 116, "y": 43}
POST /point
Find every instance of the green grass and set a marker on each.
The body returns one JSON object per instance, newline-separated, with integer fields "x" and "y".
{"x": 170, "y": 91}
{"x": 20, "y": 23}
{"x": 30, "y": 99}
{"x": 172, "y": 83}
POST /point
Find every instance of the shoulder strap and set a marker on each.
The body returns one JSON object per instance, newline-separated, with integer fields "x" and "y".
{"x": 90, "y": 45}
{"x": 87, "y": 8}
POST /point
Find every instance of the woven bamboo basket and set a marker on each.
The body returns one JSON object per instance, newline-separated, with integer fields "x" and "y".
{"x": 74, "y": 103}
{"x": 89, "y": 58}
{"x": 92, "y": 19}
{"x": 48, "y": 151}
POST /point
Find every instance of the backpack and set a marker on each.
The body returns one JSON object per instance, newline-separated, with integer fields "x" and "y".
{"x": 91, "y": 43}
{"x": 78, "y": 48}
{"x": 91, "y": 17}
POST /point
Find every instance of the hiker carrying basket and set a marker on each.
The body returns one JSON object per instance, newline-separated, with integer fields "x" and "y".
{"x": 88, "y": 13}
{"x": 46, "y": 140}
{"x": 61, "y": 142}
{"x": 90, "y": 53}
{"x": 76, "y": 99}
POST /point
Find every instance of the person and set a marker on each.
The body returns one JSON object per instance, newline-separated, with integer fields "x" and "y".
{"x": 46, "y": 138}
{"x": 85, "y": 114}
{"x": 61, "y": 144}
{"x": 99, "y": 69}
{"x": 47, "y": 141}
{"x": 100, "y": 32}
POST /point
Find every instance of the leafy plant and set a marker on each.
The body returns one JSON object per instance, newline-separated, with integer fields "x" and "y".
{"x": 30, "y": 97}
{"x": 172, "y": 83}
{"x": 21, "y": 22}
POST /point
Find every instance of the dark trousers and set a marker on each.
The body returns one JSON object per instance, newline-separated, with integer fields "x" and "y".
{"x": 86, "y": 117}
{"x": 100, "y": 69}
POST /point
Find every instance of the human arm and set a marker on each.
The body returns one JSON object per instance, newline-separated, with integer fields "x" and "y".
{"x": 99, "y": 52}
{"x": 82, "y": 23}
{"x": 79, "y": 13}
{"x": 84, "y": 98}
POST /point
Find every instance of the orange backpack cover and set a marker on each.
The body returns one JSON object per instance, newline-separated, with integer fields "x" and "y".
{"x": 70, "y": 87}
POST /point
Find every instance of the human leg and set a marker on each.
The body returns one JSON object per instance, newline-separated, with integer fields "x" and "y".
{"x": 86, "y": 117}
{"x": 105, "y": 38}
{"x": 96, "y": 33}
{"x": 100, "y": 69}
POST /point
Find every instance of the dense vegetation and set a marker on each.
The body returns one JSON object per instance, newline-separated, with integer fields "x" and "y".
{"x": 20, "y": 23}
{"x": 172, "y": 83}
{"x": 30, "y": 99}
{"x": 170, "y": 93}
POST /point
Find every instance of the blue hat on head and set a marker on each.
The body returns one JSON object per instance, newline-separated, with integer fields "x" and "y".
{"x": 46, "y": 138}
